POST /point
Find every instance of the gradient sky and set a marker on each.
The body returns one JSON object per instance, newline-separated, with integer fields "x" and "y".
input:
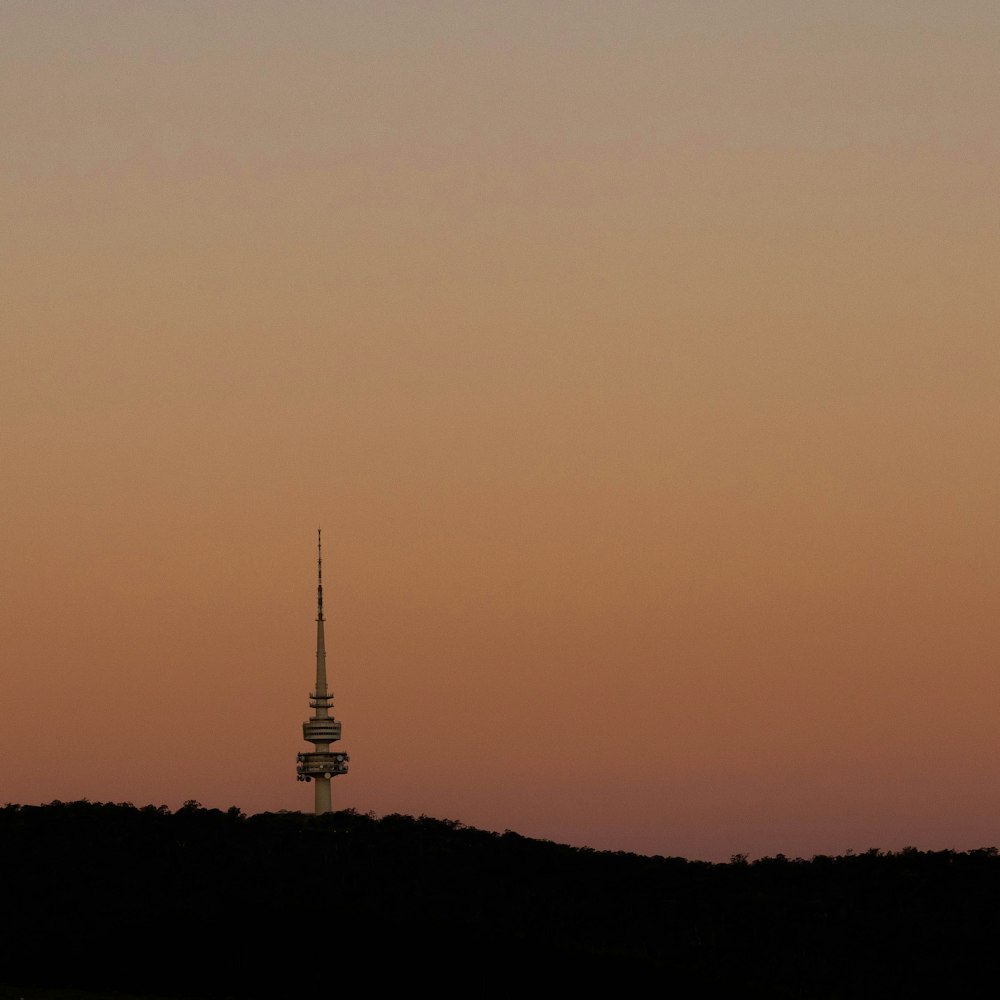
{"x": 641, "y": 362}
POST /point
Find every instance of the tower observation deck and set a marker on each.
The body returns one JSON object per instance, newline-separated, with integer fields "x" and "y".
{"x": 321, "y": 729}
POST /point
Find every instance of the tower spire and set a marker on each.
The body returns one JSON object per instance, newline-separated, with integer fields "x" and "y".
{"x": 321, "y": 692}
{"x": 319, "y": 566}
{"x": 322, "y": 728}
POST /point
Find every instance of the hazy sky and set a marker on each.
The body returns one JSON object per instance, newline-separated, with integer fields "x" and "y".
{"x": 641, "y": 362}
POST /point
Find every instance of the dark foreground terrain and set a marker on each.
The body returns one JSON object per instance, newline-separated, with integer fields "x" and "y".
{"x": 115, "y": 899}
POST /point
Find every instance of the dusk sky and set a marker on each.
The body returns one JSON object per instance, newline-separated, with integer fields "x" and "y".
{"x": 639, "y": 360}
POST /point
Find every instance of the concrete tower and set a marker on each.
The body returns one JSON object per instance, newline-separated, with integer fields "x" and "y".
{"x": 322, "y": 729}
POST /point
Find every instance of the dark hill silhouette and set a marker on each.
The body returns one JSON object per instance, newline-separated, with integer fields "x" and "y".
{"x": 204, "y": 903}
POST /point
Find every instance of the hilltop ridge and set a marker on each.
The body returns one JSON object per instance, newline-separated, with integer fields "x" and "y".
{"x": 209, "y": 903}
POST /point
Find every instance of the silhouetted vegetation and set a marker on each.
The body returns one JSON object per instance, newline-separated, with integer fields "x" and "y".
{"x": 206, "y": 903}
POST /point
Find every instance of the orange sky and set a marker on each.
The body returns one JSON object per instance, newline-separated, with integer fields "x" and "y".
{"x": 640, "y": 362}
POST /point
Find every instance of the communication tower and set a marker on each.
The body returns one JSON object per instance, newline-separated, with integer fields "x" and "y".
{"x": 322, "y": 729}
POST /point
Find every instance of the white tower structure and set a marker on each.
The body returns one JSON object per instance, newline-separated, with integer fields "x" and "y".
{"x": 322, "y": 729}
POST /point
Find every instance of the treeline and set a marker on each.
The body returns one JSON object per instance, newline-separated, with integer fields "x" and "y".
{"x": 208, "y": 903}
